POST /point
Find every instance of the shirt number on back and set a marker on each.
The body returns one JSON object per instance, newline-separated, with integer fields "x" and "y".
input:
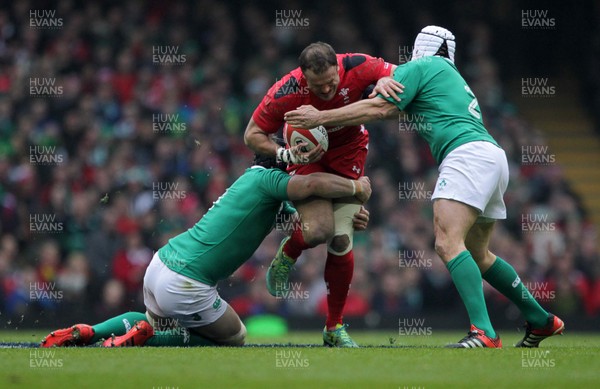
{"x": 474, "y": 103}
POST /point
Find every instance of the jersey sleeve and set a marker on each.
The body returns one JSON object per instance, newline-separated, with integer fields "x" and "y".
{"x": 275, "y": 183}
{"x": 269, "y": 114}
{"x": 409, "y": 75}
{"x": 281, "y": 98}
{"x": 368, "y": 68}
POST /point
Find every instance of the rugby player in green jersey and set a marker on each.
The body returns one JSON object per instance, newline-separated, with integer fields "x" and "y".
{"x": 473, "y": 176}
{"x": 183, "y": 307}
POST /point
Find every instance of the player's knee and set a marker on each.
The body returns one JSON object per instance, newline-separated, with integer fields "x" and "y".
{"x": 448, "y": 248}
{"x": 316, "y": 235}
{"x": 443, "y": 248}
{"x": 339, "y": 244}
{"x": 234, "y": 339}
{"x": 239, "y": 338}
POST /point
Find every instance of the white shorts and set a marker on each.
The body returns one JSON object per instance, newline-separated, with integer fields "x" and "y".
{"x": 172, "y": 295}
{"x": 476, "y": 174}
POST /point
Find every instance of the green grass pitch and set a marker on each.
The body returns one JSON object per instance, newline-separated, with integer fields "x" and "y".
{"x": 569, "y": 361}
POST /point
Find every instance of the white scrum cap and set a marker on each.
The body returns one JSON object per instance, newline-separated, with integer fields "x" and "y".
{"x": 431, "y": 39}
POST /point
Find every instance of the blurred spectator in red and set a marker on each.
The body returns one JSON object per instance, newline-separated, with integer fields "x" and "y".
{"x": 130, "y": 262}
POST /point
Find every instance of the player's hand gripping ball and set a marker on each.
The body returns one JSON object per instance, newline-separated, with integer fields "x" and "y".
{"x": 312, "y": 137}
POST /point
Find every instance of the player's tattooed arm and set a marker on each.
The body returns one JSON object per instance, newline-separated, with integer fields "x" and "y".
{"x": 362, "y": 111}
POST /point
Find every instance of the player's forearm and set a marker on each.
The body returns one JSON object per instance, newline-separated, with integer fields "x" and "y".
{"x": 332, "y": 186}
{"x": 262, "y": 145}
{"x": 259, "y": 141}
{"x": 362, "y": 111}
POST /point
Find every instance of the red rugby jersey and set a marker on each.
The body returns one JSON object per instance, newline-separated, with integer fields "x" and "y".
{"x": 356, "y": 71}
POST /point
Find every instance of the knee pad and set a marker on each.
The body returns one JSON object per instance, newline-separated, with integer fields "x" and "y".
{"x": 343, "y": 213}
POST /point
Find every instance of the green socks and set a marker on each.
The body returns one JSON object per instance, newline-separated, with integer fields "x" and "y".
{"x": 504, "y": 278}
{"x": 467, "y": 279}
{"x": 118, "y": 325}
{"x": 177, "y": 337}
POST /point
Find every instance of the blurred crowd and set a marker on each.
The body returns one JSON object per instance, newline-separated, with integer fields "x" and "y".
{"x": 134, "y": 126}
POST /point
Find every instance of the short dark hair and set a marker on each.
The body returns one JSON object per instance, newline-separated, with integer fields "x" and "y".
{"x": 317, "y": 57}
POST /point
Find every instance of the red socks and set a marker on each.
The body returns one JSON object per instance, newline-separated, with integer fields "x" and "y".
{"x": 295, "y": 245}
{"x": 338, "y": 275}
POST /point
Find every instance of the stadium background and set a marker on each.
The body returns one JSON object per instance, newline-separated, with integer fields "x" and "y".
{"x": 149, "y": 100}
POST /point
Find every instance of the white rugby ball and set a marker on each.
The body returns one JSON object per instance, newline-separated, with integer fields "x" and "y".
{"x": 312, "y": 137}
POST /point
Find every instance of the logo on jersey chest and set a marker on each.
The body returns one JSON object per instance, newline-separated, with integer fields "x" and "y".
{"x": 344, "y": 93}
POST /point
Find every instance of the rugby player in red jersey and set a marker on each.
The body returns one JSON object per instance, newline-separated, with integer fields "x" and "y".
{"x": 325, "y": 80}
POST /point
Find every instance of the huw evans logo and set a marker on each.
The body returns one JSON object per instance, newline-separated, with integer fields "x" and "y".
{"x": 45, "y": 155}
{"x": 168, "y": 191}
{"x": 541, "y": 291}
{"x": 537, "y": 87}
{"x": 167, "y": 123}
{"x": 44, "y": 358}
{"x": 290, "y": 359}
{"x": 45, "y": 19}
{"x": 537, "y": 359}
{"x": 537, "y": 19}
{"x": 288, "y": 223}
{"x": 537, "y": 155}
{"x": 45, "y": 223}
{"x": 290, "y": 291}
{"x": 412, "y": 190}
{"x": 44, "y": 291}
{"x": 44, "y": 87}
{"x": 413, "y": 327}
{"x": 414, "y": 258}
{"x": 535, "y": 222}
{"x": 167, "y": 55}
{"x": 291, "y": 18}
{"x": 408, "y": 122}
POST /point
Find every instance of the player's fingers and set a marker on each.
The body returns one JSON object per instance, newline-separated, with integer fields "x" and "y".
{"x": 394, "y": 95}
{"x": 316, "y": 152}
{"x": 292, "y": 114}
{"x": 358, "y": 217}
{"x": 294, "y": 122}
{"x": 398, "y": 87}
{"x": 364, "y": 212}
{"x": 380, "y": 90}
{"x": 359, "y": 223}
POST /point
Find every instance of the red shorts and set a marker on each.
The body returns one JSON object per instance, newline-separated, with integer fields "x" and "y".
{"x": 347, "y": 160}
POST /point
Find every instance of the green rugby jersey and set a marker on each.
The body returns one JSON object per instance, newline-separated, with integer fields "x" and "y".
{"x": 231, "y": 230}
{"x": 441, "y": 106}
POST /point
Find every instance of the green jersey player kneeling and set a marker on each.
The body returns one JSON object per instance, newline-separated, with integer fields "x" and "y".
{"x": 183, "y": 307}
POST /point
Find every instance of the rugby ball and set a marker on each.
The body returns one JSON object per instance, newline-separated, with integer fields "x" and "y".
{"x": 312, "y": 137}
